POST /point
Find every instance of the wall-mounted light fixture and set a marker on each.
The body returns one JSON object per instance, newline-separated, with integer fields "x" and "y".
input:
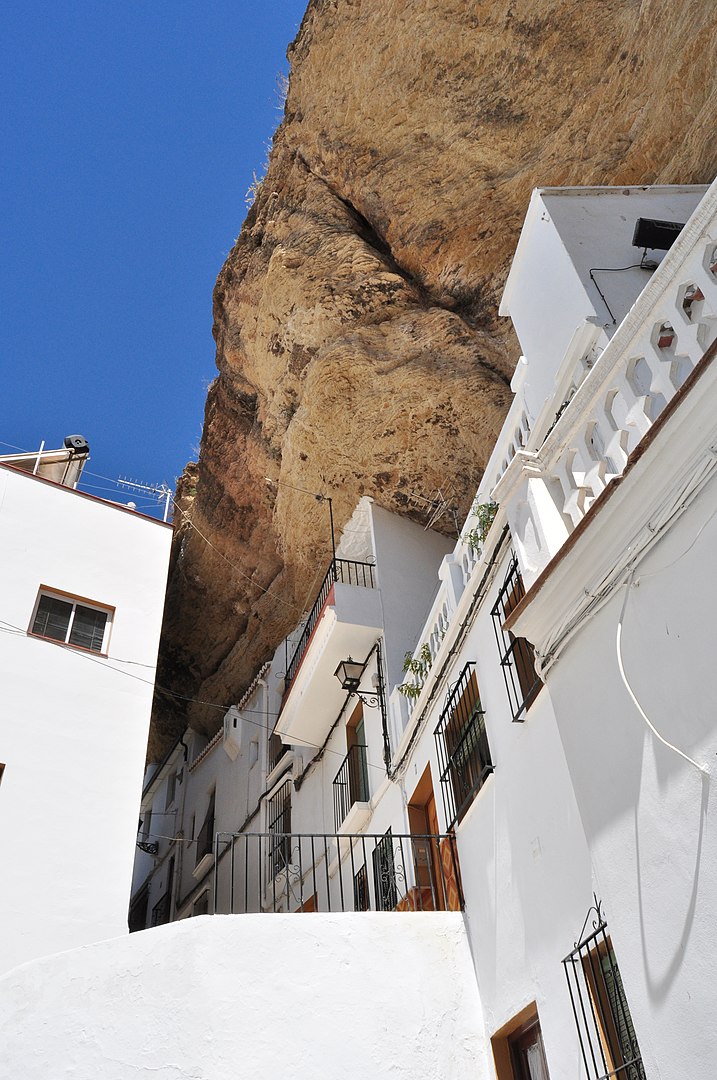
{"x": 349, "y": 673}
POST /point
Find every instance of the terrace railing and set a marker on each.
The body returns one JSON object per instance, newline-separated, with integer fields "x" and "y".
{"x": 335, "y": 872}
{"x": 346, "y": 571}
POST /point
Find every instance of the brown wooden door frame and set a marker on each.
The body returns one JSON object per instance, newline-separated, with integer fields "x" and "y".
{"x": 423, "y": 820}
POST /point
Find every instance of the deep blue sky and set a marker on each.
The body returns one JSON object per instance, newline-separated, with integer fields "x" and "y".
{"x": 130, "y": 133}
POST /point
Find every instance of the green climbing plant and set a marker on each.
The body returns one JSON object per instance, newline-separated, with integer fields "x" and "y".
{"x": 418, "y": 665}
{"x": 484, "y": 514}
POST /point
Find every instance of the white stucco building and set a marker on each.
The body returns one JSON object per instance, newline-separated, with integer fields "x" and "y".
{"x": 82, "y": 582}
{"x": 505, "y": 841}
{"x": 513, "y": 730}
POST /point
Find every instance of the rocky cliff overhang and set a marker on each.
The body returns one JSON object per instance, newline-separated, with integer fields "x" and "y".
{"x": 355, "y": 318}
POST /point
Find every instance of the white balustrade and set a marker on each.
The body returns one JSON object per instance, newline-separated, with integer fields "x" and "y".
{"x": 642, "y": 367}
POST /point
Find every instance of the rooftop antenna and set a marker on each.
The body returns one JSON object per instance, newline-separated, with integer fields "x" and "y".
{"x": 436, "y": 507}
{"x": 162, "y": 491}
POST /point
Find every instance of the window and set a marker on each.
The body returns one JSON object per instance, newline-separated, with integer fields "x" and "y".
{"x": 462, "y": 744}
{"x": 605, "y": 1029}
{"x": 528, "y": 1054}
{"x": 70, "y": 621}
{"x": 279, "y": 828}
{"x": 2, "y": 770}
{"x": 276, "y": 751}
{"x": 205, "y": 840}
{"x": 138, "y": 910}
{"x": 516, "y": 654}
{"x": 518, "y": 1048}
{"x": 171, "y": 790}
{"x": 160, "y": 911}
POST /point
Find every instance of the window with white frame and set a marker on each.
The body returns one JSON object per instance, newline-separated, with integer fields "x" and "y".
{"x": 71, "y": 621}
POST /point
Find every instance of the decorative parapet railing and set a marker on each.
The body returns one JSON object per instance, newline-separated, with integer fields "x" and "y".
{"x": 346, "y": 571}
{"x": 335, "y": 872}
{"x": 350, "y": 784}
{"x": 546, "y": 492}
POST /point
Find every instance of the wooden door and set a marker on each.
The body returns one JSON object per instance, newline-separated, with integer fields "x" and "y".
{"x": 423, "y": 819}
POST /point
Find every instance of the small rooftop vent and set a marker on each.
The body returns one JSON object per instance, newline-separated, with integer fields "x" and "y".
{"x": 77, "y": 443}
{"x": 658, "y": 235}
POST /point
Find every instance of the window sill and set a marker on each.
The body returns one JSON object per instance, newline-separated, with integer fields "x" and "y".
{"x": 204, "y": 864}
{"x": 68, "y": 645}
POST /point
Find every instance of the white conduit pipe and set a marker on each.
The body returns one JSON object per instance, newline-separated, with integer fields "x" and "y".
{"x": 618, "y": 644}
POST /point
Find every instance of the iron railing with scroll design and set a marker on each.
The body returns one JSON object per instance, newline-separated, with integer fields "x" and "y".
{"x": 351, "y": 783}
{"x": 346, "y": 571}
{"x": 462, "y": 744}
{"x": 607, "y": 1036}
{"x": 335, "y": 872}
{"x": 517, "y": 657}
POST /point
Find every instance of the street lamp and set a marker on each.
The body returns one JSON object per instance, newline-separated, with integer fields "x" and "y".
{"x": 349, "y": 674}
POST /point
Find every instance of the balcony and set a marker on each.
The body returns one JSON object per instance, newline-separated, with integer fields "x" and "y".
{"x": 351, "y": 805}
{"x": 303, "y": 872}
{"x": 345, "y": 620}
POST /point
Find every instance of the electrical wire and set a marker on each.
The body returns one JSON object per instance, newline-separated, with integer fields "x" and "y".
{"x": 279, "y": 599}
{"x": 614, "y": 270}
{"x": 618, "y": 648}
{"x": 269, "y": 729}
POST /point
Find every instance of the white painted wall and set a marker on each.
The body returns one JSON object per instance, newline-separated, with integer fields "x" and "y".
{"x": 524, "y": 860}
{"x": 650, "y": 817}
{"x": 407, "y": 557}
{"x": 73, "y": 725}
{"x": 252, "y": 996}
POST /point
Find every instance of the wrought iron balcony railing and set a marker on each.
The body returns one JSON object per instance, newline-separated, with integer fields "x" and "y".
{"x": 351, "y": 783}
{"x": 462, "y": 744}
{"x": 346, "y": 571}
{"x": 294, "y": 872}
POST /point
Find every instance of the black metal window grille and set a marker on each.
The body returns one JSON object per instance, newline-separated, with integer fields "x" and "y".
{"x": 351, "y": 783}
{"x": 384, "y": 874}
{"x": 517, "y": 657}
{"x": 346, "y": 571}
{"x": 160, "y": 911}
{"x": 205, "y": 840}
{"x": 279, "y": 829}
{"x": 605, "y": 1029}
{"x": 462, "y": 743}
{"x": 70, "y": 622}
{"x": 361, "y": 895}
{"x": 277, "y": 749}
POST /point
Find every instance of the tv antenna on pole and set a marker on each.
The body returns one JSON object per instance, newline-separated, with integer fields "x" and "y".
{"x": 163, "y": 492}
{"x": 436, "y": 507}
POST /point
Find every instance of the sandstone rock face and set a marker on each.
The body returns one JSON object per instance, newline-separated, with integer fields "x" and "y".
{"x": 358, "y": 346}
